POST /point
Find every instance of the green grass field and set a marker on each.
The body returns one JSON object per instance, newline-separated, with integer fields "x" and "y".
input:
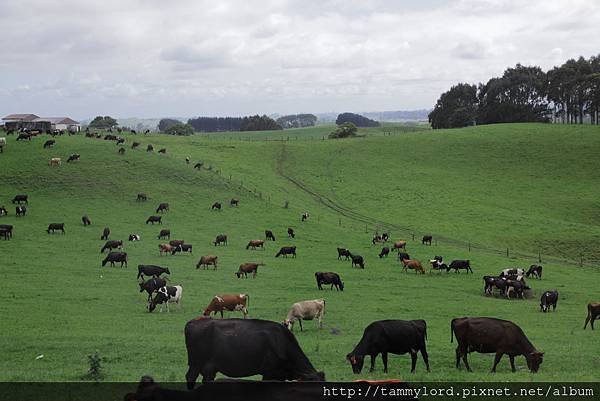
{"x": 527, "y": 187}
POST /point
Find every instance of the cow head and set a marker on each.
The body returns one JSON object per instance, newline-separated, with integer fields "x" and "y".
{"x": 534, "y": 360}
{"x": 341, "y": 285}
{"x": 356, "y": 361}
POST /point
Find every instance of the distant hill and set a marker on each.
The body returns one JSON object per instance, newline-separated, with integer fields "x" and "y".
{"x": 387, "y": 116}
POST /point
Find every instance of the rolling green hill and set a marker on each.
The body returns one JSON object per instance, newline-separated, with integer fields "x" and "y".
{"x": 525, "y": 187}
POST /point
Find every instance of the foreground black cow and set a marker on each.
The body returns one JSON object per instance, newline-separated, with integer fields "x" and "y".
{"x": 549, "y": 298}
{"x": 152, "y": 285}
{"x": 488, "y": 335}
{"x": 56, "y": 227}
{"x": 286, "y": 250}
{"x": 154, "y": 219}
{"x": 534, "y": 270}
{"x": 20, "y": 199}
{"x": 262, "y": 348}
{"x": 151, "y": 270}
{"x": 110, "y": 245}
{"x": 115, "y": 257}
{"x": 343, "y": 252}
{"x": 390, "y": 336}
{"x": 458, "y": 265}
{"x": 593, "y": 313}
{"x": 329, "y": 278}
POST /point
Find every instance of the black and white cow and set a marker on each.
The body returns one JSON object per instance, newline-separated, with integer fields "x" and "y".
{"x": 20, "y": 210}
{"x": 534, "y": 270}
{"x": 166, "y": 295}
{"x": 549, "y": 298}
{"x": 182, "y": 248}
{"x": 134, "y": 237}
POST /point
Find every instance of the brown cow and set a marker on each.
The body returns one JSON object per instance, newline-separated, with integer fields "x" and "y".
{"x": 413, "y": 264}
{"x": 256, "y": 243}
{"x": 488, "y": 335}
{"x": 207, "y": 260}
{"x": 246, "y": 268}
{"x": 399, "y": 245}
{"x": 593, "y": 313}
{"x": 228, "y": 302}
{"x": 165, "y": 248}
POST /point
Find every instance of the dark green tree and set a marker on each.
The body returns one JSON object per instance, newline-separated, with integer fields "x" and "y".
{"x": 179, "y": 129}
{"x": 356, "y": 119}
{"x": 103, "y": 122}
{"x": 259, "y": 123}
{"x": 344, "y": 130}
{"x": 165, "y": 123}
{"x": 455, "y": 108}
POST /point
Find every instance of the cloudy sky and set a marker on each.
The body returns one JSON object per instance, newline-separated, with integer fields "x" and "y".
{"x": 154, "y": 58}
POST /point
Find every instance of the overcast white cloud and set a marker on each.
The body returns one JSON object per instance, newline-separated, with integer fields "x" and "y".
{"x": 151, "y": 58}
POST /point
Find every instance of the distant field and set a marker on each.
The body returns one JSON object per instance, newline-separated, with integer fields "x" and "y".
{"x": 527, "y": 187}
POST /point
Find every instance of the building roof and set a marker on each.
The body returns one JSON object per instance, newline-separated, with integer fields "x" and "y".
{"x": 20, "y": 117}
{"x": 57, "y": 120}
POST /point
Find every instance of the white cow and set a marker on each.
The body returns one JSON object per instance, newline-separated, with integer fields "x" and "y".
{"x": 305, "y": 310}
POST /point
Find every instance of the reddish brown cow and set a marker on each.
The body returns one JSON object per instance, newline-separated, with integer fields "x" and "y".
{"x": 228, "y": 302}
{"x": 412, "y": 264}
{"x": 164, "y": 248}
{"x": 246, "y": 268}
{"x": 206, "y": 261}
{"x": 593, "y": 313}
{"x": 256, "y": 243}
{"x": 399, "y": 245}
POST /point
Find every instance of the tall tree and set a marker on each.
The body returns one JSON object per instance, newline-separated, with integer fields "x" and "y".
{"x": 455, "y": 108}
{"x": 103, "y": 122}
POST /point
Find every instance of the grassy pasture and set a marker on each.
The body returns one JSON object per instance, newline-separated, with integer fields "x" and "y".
{"x": 520, "y": 185}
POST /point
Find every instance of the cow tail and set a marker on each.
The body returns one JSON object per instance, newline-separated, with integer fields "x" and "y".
{"x": 452, "y": 331}
{"x": 323, "y": 306}
{"x": 425, "y": 332}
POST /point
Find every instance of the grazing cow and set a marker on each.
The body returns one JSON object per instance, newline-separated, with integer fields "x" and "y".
{"x": 305, "y": 216}
{"x": 426, "y": 240}
{"x": 164, "y": 249}
{"x": 399, "y": 245}
{"x": 120, "y": 140}
{"x": 6, "y": 231}
{"x": 267, "y": 349}
{"x": 135, "y": 145}
{"x": 549, "y": 298}
{"x": 105, "y": 233}
{"x": 488, "y": 335}
{"x": 291, "y": 233}
{"x": 164, "y": 233}
{"x": 49, "y": 143}
{"x": 413, "y": 265}
{"x": 385, "y": 251}
{"x": 149, "y": 148}
{"x": 377, "y": 238}
{"x": 221, "y": 239}
{"x": 3, "y": 211}
{"x": 305, "y": 310}
{"x": 162, "y": 151}
{"x": 216, "y": 206}
{"x": 20, "y": 211}
{"x": 343, "y": 252}
{"x": 514, "y": 285}
{"x": 234, "y": 202}
{"x": 113, "y": 244}
{"x": 437, "y": 263}
{"x": 151, "y": 270}
{"x": 141, "y": 197}
{"x": 488, "y": 284}
{"x": 357, "y": 260}
{"x": 182, "y": 248}
{"x": 256, "y": 243}
{"x": 73, "y": 157}
{"x": 246, "y": 268}
{"x": 512, "y": 272}
{"x": 458, "y": 265}
{"x": 23, "y": 137}
{"x": 134, "y": 237}
{"x": 329, "y": 278}
{"x": 198, "y": 165}
{"x": 113, "y": 257}
{"x": 163, "y": 207}
{"x": 152, "y": 285}
{"x": 269, "y": 235}
{"x": 593, "y": 313}
{"x": 56, "y": 226}
{"x": 154, "y": 219}
{"x": 534, "y": 270}
{"x": 166, "y": 295}
{"x": 20, "y": 199}
{"x": 228, "y": 302}
{"x": 206, "y": 261}
{"x": 390, "y": 336}
{"x": 55, "y": 161}
{"x": 86, "y": 220}
{"x": 176, "y": 242}
{"x": 402, "y": 256}
{"x": 286, "y": 250}
{"x": 121, "y": 151}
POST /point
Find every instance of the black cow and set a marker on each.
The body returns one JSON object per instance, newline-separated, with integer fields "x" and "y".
{"x": 23, "y": 137}
{"x": 403, "y": 255}
{"x": 488, "y": 335}
{"x": 198, "y": 165}
{"x": 149, "y": 148}
{"x": 385, "y": 251}
{"x": 163, "y": 207}
{"x": 216, "y": 206}
{"x": 329, "y": 278}
{"x": 162, "y": 151}
{"x": 113, "y": 257}
{"x": 291, "y": 233}
{"x": 269, "y": 235}
{"x": 427, "y": 240}
{"x": 110, "y": 245}
{"x": 152, "y": 270}
{"x": 357, "y": 260}
{"x": 154, "y": 219}
{"x": 85, "y": 220}
{"x": 152, "y": 285}
{"x": 182, "y": 248}
{"x": 549, "y": 298}
{"x": 135, "y": 145}
{"x": 142, "y": 197}
{"x": 534, "y": 270}
{"x": 516, "y": 286}
{"x": 343, "y": 252}
{"x": 49, "y": 143}
{"x": 56, "y": 226}
{"x": 73, "y": 157}
{"x": 593, "y": 313}
{"x": 121, "y": 151}
{"x": 234, "y": 202}
{"x": 20, "y": 199}
{"x": 390, "y": 336}
{"x": 20, "y": 211}
{"x": 105, "y": 233}
{"x": 458, "y": 265}
{"x": 263, "y": 348}
{"x": 220, "y": 239}
{"x": 287, "y": 250}
{"x": 165, "y": 233}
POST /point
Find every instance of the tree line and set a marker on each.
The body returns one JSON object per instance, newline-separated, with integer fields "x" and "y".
{"x": 569, "y": 93}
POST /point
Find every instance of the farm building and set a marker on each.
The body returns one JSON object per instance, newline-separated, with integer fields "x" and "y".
{"x": 33, "y": 122}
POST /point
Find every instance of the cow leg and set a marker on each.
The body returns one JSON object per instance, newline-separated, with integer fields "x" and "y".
{"x": 384, "y": 358}
{"x": 245, "y": 312}
{"x": 300, "y": 322}
{"x": 221, "y": 313}
{"x": 425, "y": 356}
{"x": 512, "y": 363}
{"x": 208, "y": 374}
{"x": 413, "y": 361}
{"x": 458, "y": 355}
{"x": 191, "y": 376}
{"x": 496, "y": 360}
{"x": 373, "y": 356}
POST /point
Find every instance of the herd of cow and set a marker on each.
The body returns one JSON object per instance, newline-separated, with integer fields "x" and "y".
{"x": 270, "y": 349}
